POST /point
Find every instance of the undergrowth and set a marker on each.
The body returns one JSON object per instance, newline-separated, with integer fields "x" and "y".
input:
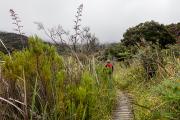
{"x": 155, "y": 98}
{"x": 41, "y": 84}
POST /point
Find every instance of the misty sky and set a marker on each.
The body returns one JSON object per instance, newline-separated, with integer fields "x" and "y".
{"x": 108, "y": 19}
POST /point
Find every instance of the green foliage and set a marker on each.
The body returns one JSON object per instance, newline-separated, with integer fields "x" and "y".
{"x": 174, "y": 29}
{"x": 146, "y": 39}
{"x": 57, "y": 88}
{"x": 127, "y": 76}
{"x": 157, "y": 98}
{"x": 148, "y": 32}
{"x": 151, "y": 59}
{"x": 39, "y": 61}
{"x": 119, "y": 51}
{"x": 169, "y": 90}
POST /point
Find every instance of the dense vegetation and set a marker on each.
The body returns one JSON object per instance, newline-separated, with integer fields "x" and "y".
{"x": 148, "y": 32}
{"x": 52, "y": 86}
{"x": 155, "y": 98}
{"x": 145, "y": 34}
{"x": 148, "y": 69}
{"x": 70, "y": 82}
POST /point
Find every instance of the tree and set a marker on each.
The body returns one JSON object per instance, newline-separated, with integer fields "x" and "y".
{"x": 148, "y": 32}
{"x": 174, "y": 29}
{"x": 118, "y": 51}
{"x": 89, "y": 42}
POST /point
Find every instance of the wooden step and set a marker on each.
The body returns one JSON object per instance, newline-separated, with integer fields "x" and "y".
{"x": 123, "y": 109}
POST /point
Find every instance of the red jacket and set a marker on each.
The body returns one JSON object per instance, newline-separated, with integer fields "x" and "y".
{"x": 109, "y": 65}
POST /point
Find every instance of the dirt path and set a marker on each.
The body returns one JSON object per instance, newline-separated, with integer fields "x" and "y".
{"x": 123, "y": 108}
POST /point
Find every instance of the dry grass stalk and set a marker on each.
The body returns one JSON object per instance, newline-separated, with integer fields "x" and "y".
{"x": 11, "y": 103}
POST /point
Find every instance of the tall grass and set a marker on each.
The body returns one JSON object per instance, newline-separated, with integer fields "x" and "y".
{"x": 53, "y": 87}
{"x": 155, "y": 98}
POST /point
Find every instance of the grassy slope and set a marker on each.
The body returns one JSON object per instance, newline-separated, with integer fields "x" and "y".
{"x": 155, "y": 99}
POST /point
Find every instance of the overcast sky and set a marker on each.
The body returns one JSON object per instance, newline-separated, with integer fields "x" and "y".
{"x": 108, "y": 19}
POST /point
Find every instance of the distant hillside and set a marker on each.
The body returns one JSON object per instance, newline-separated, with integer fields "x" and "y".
{"x": 12, "y": 41}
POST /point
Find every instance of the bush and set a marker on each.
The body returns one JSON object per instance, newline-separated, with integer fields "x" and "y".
{"x": 169, "y": 90}
{"x": 158, "y": 98}
{"x": 52, "y": 86}
{"x": 151, "y": 59}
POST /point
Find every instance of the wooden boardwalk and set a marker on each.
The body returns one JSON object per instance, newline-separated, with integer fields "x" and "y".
{"x": 123, "y": 108}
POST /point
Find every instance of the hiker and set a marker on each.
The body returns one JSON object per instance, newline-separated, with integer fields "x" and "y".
{"x": 109, "y": 66}
{"x": 109, "y": 71}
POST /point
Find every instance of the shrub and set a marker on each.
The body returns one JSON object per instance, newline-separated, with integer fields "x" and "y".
{"x": 52, "y": 86}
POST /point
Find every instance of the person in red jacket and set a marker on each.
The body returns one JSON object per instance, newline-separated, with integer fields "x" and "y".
{"x": 109, "y": 71}
{"x": 110, "y": 66}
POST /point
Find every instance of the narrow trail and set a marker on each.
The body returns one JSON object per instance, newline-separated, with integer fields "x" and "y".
{"x": 123, "y": 108}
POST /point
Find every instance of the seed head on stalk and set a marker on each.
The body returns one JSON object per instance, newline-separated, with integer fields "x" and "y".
{"x": 16, "y": 22}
